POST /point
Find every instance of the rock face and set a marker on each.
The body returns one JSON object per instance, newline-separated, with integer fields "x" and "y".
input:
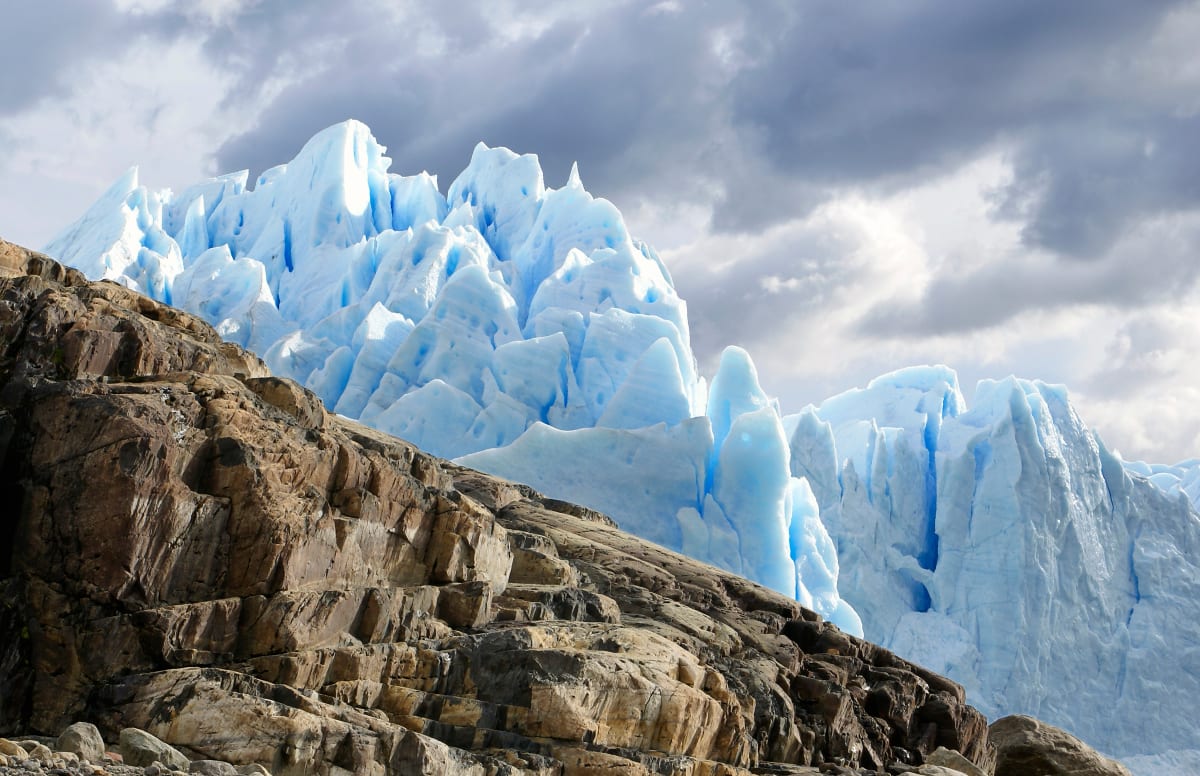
{"x": 1027, "y": 747}
{"x": 200, "y": 550}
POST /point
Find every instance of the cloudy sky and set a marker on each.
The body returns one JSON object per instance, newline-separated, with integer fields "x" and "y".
{"x": 1007, "y": 187}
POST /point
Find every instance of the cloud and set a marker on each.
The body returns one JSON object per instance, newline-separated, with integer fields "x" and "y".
{"x": 843, "y": 188}
{"x": 863, "y": 95}
{"x": 798, "y": 286}
{"x": 1142, "y": 395}
{"x": 759, "y": 113}
{"x": 150, "y": 106}
{"x": 1077, "y": 189}
{"x": 865, "y": 285}
{"x": 1153, "y": 262}
{"x": 47, "y": 48}
{"x": 627, "y": 90}
{"x": 1152, "y": 347}
{"x": 39, "y": 40}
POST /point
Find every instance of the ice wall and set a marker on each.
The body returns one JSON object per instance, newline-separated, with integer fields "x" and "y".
{"x": 1005, "y": 546}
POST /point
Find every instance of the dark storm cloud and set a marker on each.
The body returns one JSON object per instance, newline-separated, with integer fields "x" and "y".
{"x": 851, "y": 91}
{"x": 802, "y": 101}
{"x": 628, "y": 93}
{"x": 877, "y": 94}
{"x": 1077, "y": 189}
{"x": 39, "y": 42}
{"x": 755, "y": 291}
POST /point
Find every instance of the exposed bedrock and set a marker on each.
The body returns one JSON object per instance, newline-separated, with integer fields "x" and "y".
{"x": 197, "y": 549}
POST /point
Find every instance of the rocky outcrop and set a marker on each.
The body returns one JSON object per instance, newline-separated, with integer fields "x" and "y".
{"x": 1028, "y": 747}
{"x": 200, "y": 550}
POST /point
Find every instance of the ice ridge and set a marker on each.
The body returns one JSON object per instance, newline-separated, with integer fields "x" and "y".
{"x": 1005, "y": 546}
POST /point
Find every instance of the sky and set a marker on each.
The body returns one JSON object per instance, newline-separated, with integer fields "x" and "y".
{"x": 844, "y": 189}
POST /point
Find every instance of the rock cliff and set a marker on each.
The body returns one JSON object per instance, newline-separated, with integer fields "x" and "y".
{"x": 195, "y": 548}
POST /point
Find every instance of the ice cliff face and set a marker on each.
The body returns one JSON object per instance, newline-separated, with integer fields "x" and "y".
{"x": 516, "y": 327}
{"x": 522, "y": 331}
{"x": 1007, "y": 547}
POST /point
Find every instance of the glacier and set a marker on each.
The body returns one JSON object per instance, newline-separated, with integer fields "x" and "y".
{"x": 1004, "y": 545}
{"x": 521, "y": 330}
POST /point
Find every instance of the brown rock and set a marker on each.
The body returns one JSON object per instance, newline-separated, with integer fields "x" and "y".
{"x": 1028, "y": 747}
{"x": 203, "y": 552}
{"x": 38, "y": 751}
{"x": 13, "y": 749}
{"x": 465, "y": 605}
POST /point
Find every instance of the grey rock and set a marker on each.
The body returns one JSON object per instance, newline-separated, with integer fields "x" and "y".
{"x": 84, "y": 739}
{"x": 212, "y": 768}
{"x": 938, "y": 770}
{"x": 140, "y": 748}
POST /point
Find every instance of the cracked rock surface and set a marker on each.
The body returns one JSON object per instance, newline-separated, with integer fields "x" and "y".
{"x": 199, "y": 550}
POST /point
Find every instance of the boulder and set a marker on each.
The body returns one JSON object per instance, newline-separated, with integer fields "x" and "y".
{"x": 84, "y": 740}
{"x": 212, "y": 768}
{"x": 253, "y": 769}
{"x": 1027, "y": 747}
{"x": 948, "y": 758}
{"x": 141, "y": 748}
{"x": 38, "y": 751}
{"x": 13, "y": 749}
{"x": 929, "y": 769}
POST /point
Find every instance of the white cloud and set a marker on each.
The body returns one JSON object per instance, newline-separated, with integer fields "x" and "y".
{"x": 811, "y": 282}
{"x": 1082, "y": 134}
{"x": 213, "y": 11}
{"x": 156, "y": 107}
{"x": 1143, "y": 393}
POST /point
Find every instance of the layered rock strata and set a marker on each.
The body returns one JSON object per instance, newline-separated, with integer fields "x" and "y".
{"x": 198, "y": 549}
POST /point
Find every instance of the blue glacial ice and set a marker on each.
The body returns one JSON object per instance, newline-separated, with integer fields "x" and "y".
{"x": 1005, "y": 546}
{"x": 521, "y": 330}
